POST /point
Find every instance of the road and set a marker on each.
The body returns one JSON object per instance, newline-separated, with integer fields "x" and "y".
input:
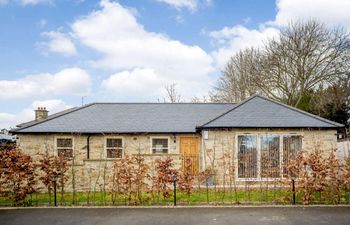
{"x": 178, "y": 216}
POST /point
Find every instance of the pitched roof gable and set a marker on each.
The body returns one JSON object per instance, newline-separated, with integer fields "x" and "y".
{"x": 261, "y": 112}
{"x": 254, "y": 112}
{"x": 52, "y": 116}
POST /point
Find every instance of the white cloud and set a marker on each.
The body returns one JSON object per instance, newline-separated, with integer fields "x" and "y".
{"x": 125, "y": 45}
{"x": 8, "y": 120}
{"x": 59, "y": 43}
{"x": 232, "y": 39}
{"x": 335, "y": 12}
{"x": 52, "y": 105}
{"x": 70, "y": 81}
{"x": 178, "y": 4}
{"x": 136, "y": 82}
{"x": 26, "y": 2}
{"x": 191, "y": 5}
{"x": 33, "y": 2}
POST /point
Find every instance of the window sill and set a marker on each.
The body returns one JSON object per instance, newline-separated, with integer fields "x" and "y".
{"x": 98, "y": 160}
{"x": 261, "y": 179}
{"x": 161, "y": 154}
{"x": 143, "y": 155}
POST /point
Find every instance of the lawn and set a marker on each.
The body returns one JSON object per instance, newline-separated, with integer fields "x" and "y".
{"x": 252, "y": 197}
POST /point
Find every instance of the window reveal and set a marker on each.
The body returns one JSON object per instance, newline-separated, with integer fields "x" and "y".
{"x": 65, "y": 147}
{"x": 114, "y": 147}
{"x": 160, "y": 145}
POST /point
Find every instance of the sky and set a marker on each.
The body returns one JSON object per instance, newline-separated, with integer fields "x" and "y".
{"x": 53, "y": 53}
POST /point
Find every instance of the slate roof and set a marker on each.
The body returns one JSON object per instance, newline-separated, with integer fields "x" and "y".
{"x": 128, "y": 118}
{"x": 261, "y": 112}
{"x": 254, "y": 112}
{"x": 27, "y": 124}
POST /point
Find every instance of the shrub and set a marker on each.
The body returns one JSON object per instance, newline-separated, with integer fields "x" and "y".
{"x": 164, "y": 176}
{"x": 129, "y": 178}
{"x": 186, "y": 179}
{"x": 52, "y": 167}
{"x": 17, "y": 175}
{"x": 334, "y": 178}
{"x": 317, "y": 174}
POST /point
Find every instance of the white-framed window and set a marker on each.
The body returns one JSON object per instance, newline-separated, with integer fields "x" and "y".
{"x": 160, "y": 145}
{"x": 265, "y": 156}
{"x": 64, "y": 146}
{"x": 114, "y": 147}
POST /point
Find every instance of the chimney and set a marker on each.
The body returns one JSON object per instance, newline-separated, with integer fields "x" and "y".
{"x": 41, "y": 113}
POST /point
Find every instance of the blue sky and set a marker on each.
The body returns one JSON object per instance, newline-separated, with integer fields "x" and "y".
{"x": 54, "y": 52}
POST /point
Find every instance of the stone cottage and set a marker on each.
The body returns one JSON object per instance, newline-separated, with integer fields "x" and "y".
{"x": 226, "y": 136}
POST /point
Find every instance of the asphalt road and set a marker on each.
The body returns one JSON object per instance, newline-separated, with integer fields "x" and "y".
{"x": 178, "y": 216}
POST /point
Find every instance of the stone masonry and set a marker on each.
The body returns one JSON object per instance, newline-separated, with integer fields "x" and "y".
{"x": 90, "y": 172}
{"x": 221, "y": 146}
{"x": 93, "y": 172}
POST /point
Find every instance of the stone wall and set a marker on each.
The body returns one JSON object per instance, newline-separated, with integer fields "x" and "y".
{"x": 91, "y": 173}
{"x": 220, "y": 149}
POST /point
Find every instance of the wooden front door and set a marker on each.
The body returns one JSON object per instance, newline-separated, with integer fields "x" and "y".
{"x": 190, "y": 152}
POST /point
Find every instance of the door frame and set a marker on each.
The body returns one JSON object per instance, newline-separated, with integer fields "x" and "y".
{"x": 197, "y": 155}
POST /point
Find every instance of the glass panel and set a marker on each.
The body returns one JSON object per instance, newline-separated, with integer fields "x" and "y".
{"x": 160, "y": 145}
{"x": 114, "y": 143}
{"x": 247, "y": 156}
{"x": 270, "y": 156}
{"x": 114, "y": 153}
{"x": 64, "y": 142}
{"x": 66, "y": 153}
{"x": 291, "y": 146}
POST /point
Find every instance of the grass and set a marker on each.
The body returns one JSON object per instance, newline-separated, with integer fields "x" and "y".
{"x": 252, "y": 197}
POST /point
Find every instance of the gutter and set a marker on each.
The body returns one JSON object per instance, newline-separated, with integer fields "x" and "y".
{"x": 88, "y": 147}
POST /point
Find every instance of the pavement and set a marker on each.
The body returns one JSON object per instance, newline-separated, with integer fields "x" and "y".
{"x": 182, "y": 215}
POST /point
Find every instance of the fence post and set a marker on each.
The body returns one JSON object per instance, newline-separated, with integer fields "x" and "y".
{"x": 207, "y": 187}
{"x": 174, "y": 180}
{"x": 54, "y": 180}
{"x": 293, "y": 189}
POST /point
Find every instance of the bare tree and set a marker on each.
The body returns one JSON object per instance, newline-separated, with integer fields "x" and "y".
{"x": 172, "y": 94}
{"x": 304, "y": 58}
{"x": 202, "y": 99}
{"x": 238, "y": 78}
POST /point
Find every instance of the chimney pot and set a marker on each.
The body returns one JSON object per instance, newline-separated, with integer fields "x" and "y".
{"x": 41, "y": 113}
